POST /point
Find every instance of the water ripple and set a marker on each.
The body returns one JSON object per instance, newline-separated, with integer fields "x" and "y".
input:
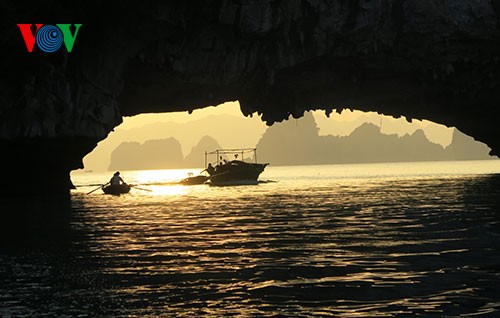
{"x": 414, "y": 247}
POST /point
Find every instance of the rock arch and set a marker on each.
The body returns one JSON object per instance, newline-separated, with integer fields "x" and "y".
{"x": 435, "y": 60}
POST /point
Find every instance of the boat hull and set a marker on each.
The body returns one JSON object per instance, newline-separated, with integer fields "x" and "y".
{"x": 194, "y": 180}
{"x": 237, "y": 172}
{"x": 116, "y": 189}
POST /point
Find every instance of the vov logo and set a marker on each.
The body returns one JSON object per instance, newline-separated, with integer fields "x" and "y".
{"x": 49, "y": 38}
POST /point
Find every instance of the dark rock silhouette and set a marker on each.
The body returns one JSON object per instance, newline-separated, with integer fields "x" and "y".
{"x": 297, "y": 142}
{"x": 436, "y": 60}
{"x": 152, "y": 154}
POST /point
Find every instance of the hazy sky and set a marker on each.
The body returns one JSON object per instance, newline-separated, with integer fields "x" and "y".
{"x": 230, "y": 135}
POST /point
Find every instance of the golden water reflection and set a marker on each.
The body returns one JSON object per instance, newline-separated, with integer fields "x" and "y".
{"x": 359, "y": 241}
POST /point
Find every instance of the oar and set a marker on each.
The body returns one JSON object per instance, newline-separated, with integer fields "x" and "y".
{"x": 102, "y": 185}
{"x": 87, "y": 185}
{"x": 136, "y": 187}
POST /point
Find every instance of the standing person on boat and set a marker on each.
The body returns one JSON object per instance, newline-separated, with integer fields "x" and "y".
{"x": 210, "y": 169}
{"x": 116, "y": 180}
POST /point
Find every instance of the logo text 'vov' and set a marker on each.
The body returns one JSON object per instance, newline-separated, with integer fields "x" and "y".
{"x": 49, "y": 38}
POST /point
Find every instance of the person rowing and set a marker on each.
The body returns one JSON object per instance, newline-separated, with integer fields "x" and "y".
{"x": 115, "y": 186}
{"x": 116, "y": 180}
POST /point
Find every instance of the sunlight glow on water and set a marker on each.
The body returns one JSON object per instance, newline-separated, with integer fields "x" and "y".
{"x": 413, "y": 239}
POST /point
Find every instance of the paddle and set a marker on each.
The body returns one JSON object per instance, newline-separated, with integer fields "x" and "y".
{"x": 102, "y": 185}
{"x": 136, "y": 187}
{"x": 87, "y": 185}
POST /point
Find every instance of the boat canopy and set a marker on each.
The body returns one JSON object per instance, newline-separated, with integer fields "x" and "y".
{"x": 237, "y": 152}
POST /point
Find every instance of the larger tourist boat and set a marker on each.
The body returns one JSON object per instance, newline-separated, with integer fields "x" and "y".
{"x": 236, "y": 171}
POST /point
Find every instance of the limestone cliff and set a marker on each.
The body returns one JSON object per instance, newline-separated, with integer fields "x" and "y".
{"x": 152, "y": 154}
{"x": 196, "y": 157}
{"x": 298, "y": 143}
{"x": 427, "y": 59}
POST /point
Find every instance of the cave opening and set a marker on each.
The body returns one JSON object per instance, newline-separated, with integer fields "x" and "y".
{"x": 357, "y": 213}
{"x": 174, "y": 140}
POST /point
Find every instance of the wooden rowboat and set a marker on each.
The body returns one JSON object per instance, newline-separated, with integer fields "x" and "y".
{"x": 193, "y": 180}
{"x": 116, "y": 189}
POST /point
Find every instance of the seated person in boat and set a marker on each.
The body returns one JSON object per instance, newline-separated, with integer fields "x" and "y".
{"x": 116, "y": 180}
{"x": 222, "y": 167}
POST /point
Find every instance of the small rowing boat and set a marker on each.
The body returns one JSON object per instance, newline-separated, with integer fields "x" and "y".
{"x": 116, "y": 189}
{"x": 193, "y": 180}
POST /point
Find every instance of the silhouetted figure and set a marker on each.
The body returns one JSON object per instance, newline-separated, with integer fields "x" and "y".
{"x": 222, "y": 167}
{"x": 116, "y": 185}
{"x": 210, "y": 169}
{"x": 116, "y": 180}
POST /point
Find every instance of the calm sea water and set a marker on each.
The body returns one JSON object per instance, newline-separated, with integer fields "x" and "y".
{"x": 378, "y": 240}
